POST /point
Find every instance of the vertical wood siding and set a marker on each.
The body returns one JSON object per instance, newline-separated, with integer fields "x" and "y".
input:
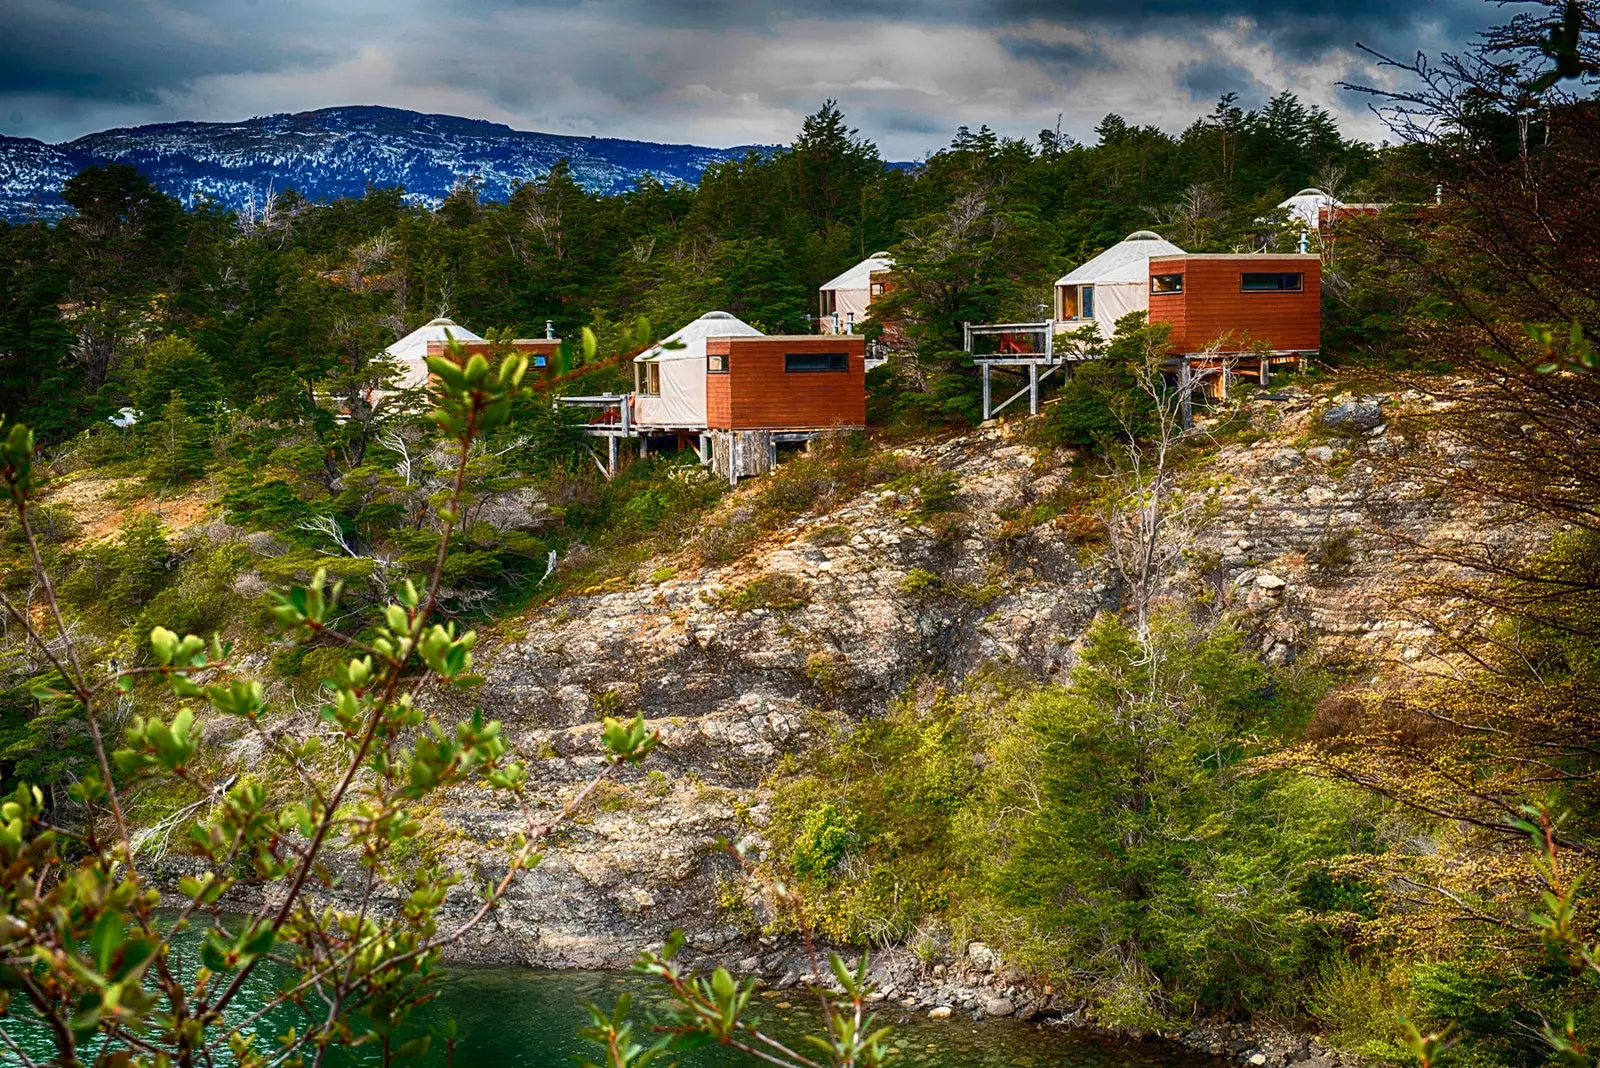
{"x": 757, "y": 394}
{"x": 1212, "y": 305}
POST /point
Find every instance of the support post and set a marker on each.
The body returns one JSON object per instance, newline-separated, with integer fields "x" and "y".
{"x": 1266, "y": 371}
{"x": 644, "y": 446}
{"x": 1033, "y": 389}
{"x": 611, "y": 456}
{"x": 1185, "y": 394}
{"x": 772, "y": 452}
{"x": 986, "y": 392}
{"x": 705, "y": 449}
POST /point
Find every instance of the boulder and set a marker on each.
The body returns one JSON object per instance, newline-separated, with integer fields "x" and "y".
{"x": 940, "y": 1012}
{"x": 1360, "y": 414}
{"x": 998, "y": 1007}
{"x": 982, "y": 957}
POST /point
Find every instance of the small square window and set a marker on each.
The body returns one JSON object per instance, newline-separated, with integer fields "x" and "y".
{"x": 1166, "y": 283}
{"x": 716, "y": 363}
{"x": 812, "y": 362}
{"x": 1272, "y": 282}
{"x": 540, "y": 361}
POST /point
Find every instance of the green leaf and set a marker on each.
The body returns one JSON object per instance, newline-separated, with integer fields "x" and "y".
{"x": 104, "y": 939}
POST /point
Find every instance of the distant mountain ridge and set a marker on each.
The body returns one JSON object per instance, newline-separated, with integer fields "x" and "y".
{"x": 336, "y": 152}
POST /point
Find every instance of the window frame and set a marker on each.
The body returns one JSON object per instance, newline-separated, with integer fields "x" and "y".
{"x": 841, "y": 358}
{"x": 716, "y": 363}
{"x": 1176, "y": 290}
{"x": 1298, "y": 287}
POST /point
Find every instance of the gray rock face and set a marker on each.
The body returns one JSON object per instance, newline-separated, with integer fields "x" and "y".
{"x": 1361, "y": 414}
{"x": 1292, "y": 546}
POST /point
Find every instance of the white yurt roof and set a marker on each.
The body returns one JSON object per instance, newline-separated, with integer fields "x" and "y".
{"x": 1126, "y": 261}
{"x": 1305, "y": 207}
{"x": 860, "y": 276}
{"x": 693, "y": 337}
{"x": 414, "y": 346}
{"x": 411, "y": 351}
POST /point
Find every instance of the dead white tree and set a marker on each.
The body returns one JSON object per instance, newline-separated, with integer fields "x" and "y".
{"x": 1150, "y": 522}
{"x": 329, "y": 527}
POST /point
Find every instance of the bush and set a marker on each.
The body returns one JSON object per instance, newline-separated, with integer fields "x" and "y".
{"x": 827, "y": 834}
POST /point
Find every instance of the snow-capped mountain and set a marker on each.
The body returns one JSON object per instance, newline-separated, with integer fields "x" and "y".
{"x": 337, "y": 152}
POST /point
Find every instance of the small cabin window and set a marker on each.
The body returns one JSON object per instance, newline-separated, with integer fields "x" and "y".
{"x": 1166, "y": 283}
{"x": 716, "y": 363}
{"x": 795, "y": 363}
{"x": 876, "y": 290}
{"x": 651, "y": 387}
{"x": 1077, "y": 302}
{"x": 1271, "y": 282}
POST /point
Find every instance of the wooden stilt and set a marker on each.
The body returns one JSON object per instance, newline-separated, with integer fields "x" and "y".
{"x": 1266, "y": 372}
{"x": 611, "y": 456}
{"x": 1186, "y": 395}
{"x": 986, "y": 393}
{"x": 1033, "y": 389}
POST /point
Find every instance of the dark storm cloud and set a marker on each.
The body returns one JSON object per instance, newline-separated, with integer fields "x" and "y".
{"x": 712, "y": 71}
{"x": 1209, "y": 79}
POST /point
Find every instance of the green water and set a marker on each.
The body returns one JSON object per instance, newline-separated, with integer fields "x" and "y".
{"x": 521, "y": 1018}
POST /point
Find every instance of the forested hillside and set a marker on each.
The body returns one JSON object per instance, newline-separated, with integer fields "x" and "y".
{"x": 1284, "y": 720}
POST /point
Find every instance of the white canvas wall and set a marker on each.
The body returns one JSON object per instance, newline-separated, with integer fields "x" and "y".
{"x": 682, "y": 402}
{"x": 1112, "y": 302}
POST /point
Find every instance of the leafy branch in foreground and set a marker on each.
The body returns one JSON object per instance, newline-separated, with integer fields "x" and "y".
{"x": 81, "y": 943}
{"x": 715, "y": 1009}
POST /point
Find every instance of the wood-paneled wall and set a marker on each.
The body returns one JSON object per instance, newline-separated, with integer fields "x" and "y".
{"x": 533, "y": 346}
{"x": 757, "y": 394}
{"x": 1213, "y": 304}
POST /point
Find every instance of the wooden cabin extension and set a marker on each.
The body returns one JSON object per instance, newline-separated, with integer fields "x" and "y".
{"x": 543, "y": 361}
{"x": 786, "y": 382}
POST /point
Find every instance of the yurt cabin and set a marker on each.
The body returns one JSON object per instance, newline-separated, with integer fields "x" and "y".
{"x": 670, "y": 378}
{"x": 844, "y": 302}
{"x": 410, "y": 353}
{"x": 1110, "y": 285}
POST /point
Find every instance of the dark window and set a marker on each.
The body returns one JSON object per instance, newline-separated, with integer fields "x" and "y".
{"x": 1086, "y": 303}
{"x": 716, "y": 363}
{"x": 1260, "y": 282}
{"x": 1166, "y": 283}
{"x": 806, "y": 362}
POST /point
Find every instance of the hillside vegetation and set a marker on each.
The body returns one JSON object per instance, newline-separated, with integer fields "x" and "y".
{"x": 1284, "y": 719}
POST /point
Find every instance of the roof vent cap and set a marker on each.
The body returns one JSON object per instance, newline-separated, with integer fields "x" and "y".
{"x": 1144, "y": 235}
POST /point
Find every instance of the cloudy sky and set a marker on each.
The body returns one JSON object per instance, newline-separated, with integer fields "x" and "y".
{"x": 718, "y": 72}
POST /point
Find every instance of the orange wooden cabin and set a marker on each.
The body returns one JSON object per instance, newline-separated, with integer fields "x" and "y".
{"x": 792, "y": 382}
{"x": 543, "y": 361}
{"x": 1241, "y": 301}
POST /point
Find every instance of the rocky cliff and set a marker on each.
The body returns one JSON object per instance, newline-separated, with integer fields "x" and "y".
{"x": 1311, "y": 510}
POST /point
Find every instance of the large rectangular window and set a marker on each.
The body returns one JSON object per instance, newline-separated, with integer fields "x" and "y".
{"x": 1086, "y": 302}
{"x": 795, "y": 363}
{"x": 716, "y": 363}
{"x": 1272, "y": 282}
{"x": 1166, "y": 283}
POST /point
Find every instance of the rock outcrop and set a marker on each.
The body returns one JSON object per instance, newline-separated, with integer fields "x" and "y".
{"x": 1306, "y": 524}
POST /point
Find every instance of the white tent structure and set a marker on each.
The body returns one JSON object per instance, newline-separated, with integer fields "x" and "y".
{"x": 670, "y": 382}
{"x": 1306, "y": 208}
{"x": 845, "y": 299}
{"x": 410, "y": 353}
{"x": 1111, "y": 285}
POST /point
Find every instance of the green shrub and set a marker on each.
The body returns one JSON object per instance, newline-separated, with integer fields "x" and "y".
{"x": 826, "y": 836}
